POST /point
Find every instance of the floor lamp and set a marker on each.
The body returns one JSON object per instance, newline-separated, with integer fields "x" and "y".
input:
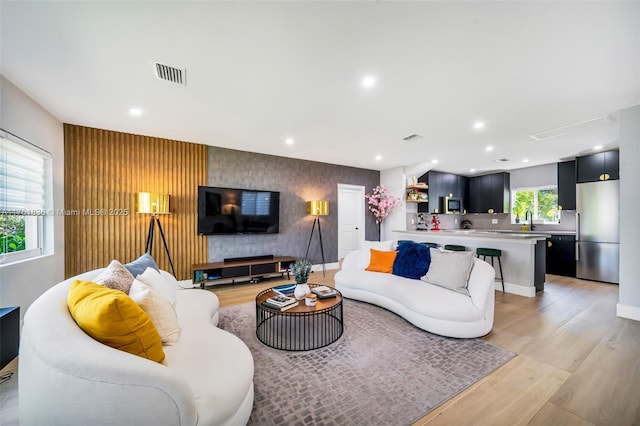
{"x": 317, "y": 208}
{"x": 155, "y": 205}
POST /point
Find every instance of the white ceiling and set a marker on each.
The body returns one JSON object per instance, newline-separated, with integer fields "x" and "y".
{"x": 259, "y": 72}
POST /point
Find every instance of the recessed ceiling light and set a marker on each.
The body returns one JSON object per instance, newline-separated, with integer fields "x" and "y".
{"x": 489, "y": 148}
{"x": 368, "y": 81}
{"x": 135, "y": 112}
{"x": 434, "y": 161}
{"x": 478, "y": 125}
{"x": 597, "y": 147}
{"x": 378, "y": 157}
{"x": 289, "y": 141}
{"x": 472, "y": 170}
{"x": 526, "y": 160}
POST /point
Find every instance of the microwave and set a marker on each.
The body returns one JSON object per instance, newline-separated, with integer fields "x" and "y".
{"x": 452, "y": 205}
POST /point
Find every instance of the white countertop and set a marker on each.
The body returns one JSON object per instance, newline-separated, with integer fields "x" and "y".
{"x": 477, "y": 233}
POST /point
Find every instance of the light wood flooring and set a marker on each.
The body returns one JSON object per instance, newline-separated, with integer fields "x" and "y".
{"x": 577, "y": 363}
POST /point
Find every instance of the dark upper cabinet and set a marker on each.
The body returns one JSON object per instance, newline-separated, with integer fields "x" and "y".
{"x": 433, "y": 180}
{"x": 561, "y": 255}
{"x": 567, "y": 185}
{"x": 479, "y": 194}
{"x": 440, "y": 186}
{"x": 597, "y": 167}
{"x": 612, "y": 164}
{"x": 489, "y": 192}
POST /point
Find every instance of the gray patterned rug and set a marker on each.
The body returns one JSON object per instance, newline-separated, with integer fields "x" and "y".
{"x": 382, "y": 371}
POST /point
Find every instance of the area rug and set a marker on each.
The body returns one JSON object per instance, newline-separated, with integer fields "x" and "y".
{"x": 383, "y": 371}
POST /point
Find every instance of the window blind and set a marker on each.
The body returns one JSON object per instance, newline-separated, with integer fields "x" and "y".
{"x": 22, "y": 176}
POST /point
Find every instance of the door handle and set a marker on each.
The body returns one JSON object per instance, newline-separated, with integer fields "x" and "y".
{"x": 577, "y": 252}
{"x": 577, "y": 226}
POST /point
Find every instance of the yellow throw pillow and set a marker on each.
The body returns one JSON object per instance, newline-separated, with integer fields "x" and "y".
{"x": 381, "y": 261}
{"x": 114, "y": 319}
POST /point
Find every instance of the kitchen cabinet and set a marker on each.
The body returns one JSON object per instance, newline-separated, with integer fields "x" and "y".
{"x": 597, "y": 167}
{"x": 561, "y": 255}
{"x": 567, "y": 185}
{"x": 490, "y": 192}
{"x": 440, "y": 186}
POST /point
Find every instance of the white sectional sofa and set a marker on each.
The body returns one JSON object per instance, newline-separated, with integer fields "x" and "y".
{"x": 68, "y": 378}
{"x": 427, "y": 306}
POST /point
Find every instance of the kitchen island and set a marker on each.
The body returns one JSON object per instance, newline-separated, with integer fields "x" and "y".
{"x": 523, "y": 253}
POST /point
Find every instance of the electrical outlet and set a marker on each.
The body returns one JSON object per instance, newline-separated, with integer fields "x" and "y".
{"x": 494, "y": 221}
{"x": 455, "y": 221}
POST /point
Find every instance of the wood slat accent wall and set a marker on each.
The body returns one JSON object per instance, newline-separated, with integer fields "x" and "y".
{"x": 104, "y": 170}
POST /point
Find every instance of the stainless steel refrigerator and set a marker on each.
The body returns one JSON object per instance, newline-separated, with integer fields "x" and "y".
{"x": 598, "y": 231}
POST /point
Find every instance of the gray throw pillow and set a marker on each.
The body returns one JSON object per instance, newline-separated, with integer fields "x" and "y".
{"x": 450, "y": 270}
{"x": 141, "y": 264}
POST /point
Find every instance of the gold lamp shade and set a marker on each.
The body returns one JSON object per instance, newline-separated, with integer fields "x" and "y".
{"x": 152, "y": 203}
{"x": 318, "y": 208}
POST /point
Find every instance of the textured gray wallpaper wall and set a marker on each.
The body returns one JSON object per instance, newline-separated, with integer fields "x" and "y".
{"x": 298, "y": 181}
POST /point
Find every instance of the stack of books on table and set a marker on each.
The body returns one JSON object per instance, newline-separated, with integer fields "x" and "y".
{"x": 285, "y": 289}
{"x": 324, "y": 292}
{"x": 280, "y": 302}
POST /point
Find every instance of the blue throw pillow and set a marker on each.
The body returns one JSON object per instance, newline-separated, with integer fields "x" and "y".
{"x": 412, "y": 260}
{"x": 141, "y": 264}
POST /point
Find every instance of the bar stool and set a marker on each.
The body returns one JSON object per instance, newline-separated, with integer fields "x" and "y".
{"x": 454, "y": 247}
{"x": 484, "y": 252}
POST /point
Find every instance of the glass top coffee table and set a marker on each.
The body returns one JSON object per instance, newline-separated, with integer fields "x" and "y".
{"x": 302, "y": 328}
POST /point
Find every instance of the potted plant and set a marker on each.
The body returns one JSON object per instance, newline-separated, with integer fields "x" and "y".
{"x": 301, "y": 270}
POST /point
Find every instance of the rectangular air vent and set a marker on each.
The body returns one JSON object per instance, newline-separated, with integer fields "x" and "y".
{"x": 574, "y": 128}
{"x": 172, "y": 74}
{"x": 411, "y": 137}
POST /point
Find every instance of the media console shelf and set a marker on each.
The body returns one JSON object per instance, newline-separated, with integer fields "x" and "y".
{"x": 242, "y": 269}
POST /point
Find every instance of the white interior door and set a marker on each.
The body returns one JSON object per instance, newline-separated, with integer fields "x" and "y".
{"x": 350, "y": 218}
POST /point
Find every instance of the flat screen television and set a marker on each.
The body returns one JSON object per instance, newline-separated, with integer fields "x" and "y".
{"x": 224, "y": 211}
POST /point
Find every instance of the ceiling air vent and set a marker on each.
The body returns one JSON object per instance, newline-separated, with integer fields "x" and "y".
{"x": 411, "y": 137}
{"x": 574, "y": 128}
{"x": 172, "y": 74}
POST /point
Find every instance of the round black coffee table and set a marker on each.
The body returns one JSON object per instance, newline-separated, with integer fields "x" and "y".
{"x": 302, "y": 328}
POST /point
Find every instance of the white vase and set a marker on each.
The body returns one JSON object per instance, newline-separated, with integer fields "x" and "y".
{"x": 301, "y": 291}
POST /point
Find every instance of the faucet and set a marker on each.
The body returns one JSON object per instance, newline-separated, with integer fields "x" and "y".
{"x": 529, "y": 215}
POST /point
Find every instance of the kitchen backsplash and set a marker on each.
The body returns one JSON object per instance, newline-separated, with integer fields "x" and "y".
{"x": 484, "y": 221}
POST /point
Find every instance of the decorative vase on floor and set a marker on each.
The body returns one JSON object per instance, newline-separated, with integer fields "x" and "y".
{"x": 301, "y": 291}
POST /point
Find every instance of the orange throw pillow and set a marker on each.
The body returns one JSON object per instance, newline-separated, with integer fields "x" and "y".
{"x": 381, "y": 261}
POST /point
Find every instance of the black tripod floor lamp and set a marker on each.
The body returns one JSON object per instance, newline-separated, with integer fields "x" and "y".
{"x": 155, "y": 204}
{"x": 317, "y": 208}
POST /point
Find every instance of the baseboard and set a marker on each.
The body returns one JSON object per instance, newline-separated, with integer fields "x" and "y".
{"x": 627, "y": 311}
{"x": 327, "y": 266}
{"x": 519, "y": 290}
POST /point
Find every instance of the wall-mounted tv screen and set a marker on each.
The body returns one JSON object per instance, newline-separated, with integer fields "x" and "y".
{"x": 237, "y": 211}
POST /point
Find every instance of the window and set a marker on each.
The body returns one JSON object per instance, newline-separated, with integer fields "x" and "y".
{"x": 25, "y": 179}
{"x": 542, "y": 202}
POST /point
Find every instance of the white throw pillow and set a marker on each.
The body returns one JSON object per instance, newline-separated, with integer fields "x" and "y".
{"x": 377, "y": 245}
{"x": 159, "y": 309}
{"x": 450, "y": 270}
{"x": 156, "y": 281}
